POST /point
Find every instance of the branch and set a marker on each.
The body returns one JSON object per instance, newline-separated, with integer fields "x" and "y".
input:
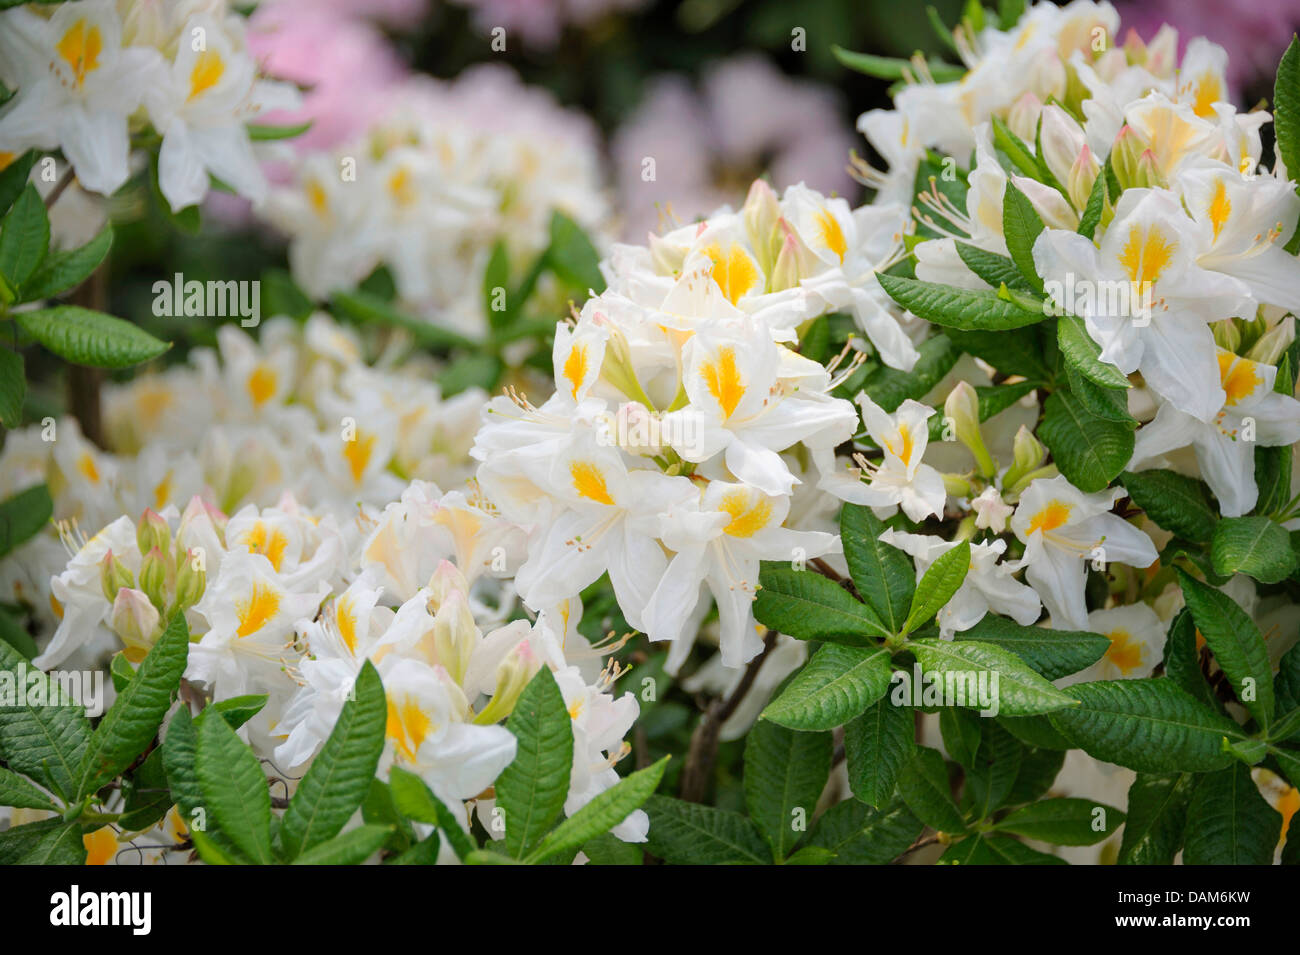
{"x": 697, "y": 774}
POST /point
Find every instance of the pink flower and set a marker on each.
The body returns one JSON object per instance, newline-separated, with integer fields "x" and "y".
{"x": 748, "y": 119}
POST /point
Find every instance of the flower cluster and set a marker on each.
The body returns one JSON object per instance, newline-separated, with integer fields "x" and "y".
{"x": 92, "y": 76}
{"x": 446, "y": 172}
{"x": 297, "y": 412}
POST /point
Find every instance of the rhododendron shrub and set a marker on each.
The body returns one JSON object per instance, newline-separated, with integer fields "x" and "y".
{"x": 959, "y": 525}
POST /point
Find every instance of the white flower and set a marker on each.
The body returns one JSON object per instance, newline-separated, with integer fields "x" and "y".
{"x": 719, "y": 540}
{"x": 1252, "y": 415}
{"x": 1149, "y": 254}
{"x": 989, "y": 585}
{"x": 900, "y": 478}
{"x": 991, "y": 512}
{"x": 1062, "y": 528}
{"x": 1137, "y": 640}
{"x": 77, "y": 86}
{"x": 201, "y": 113}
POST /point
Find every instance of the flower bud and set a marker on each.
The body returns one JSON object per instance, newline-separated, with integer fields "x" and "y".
{"x": 1023, "y": 117}
{"x": 1124, "y": 155}
{"x": 963, "y": 409}
{"x": 1028, "y": 453}
{"x": 1270, "y": 346}
{"x": 446, "y": 580}
{"x": 135, "y": 620}
{"x": 114, "y": 575}
{"x": 191, "y": 582}
{"x": 153, "y": 532}
{"x": 761, "y": 212}
{"x": 667, "y": 258}
{"x": 1061, "y": 139}
{"x": 956, "y": 485}
{"x": 513, "y": 674}
{"x": 1082, "y": 177}
{"x": 153, "y": 577}
{"x": 1227, "y": 334}
{"x": 454, "y": 634}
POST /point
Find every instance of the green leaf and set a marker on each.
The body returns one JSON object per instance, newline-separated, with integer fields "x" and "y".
{"x": 605, "y": 811}
{"x": 1034, "y": 731}
{"x": 889, "y": 387}
{"x": 925, "y": 788}
{"x": 49, "y": 842}
{"x": 1229, "y": 822}
{"x": 261, "y": 132}
{"x": 683, "y": 833}
{"x": 1089, "y": 450}
{"x": 1038, "y": 771}
{"x": 13, "y": 388}
{"x": 13, "y": 178}
{"x": 366, "y": 308}
{"x": 1157, "y": 816}
{"x": 608, "y": 849}
{"x": 121, "y": 671}
{"x": 179, "y": 749}
{"x": 965, "y": 309}
{"x": 834, "y": 686}
{"x": 1053, "y": 653}
{"x": 23, "y": 516}
{"x": 1108, "y": 404}
{"x": 65, "y": 270}
{"x": 785, "y": 772}
{"x": 339, "y": 777}
{"x": 961, "y": 734}
{"x": 1273, "y": 476}
{"x": 877, "y": 745}
{"x": 496, "y": 281}
{"x": 90, "y": 338}
{"x": 993, "y": 774}
{"x": 1286, "y": 116}
{"x": 861, "y": 835}
{"x": 1064, "y": 822}
{"x": 1150, "y": 726}
{"x": 282, "y": 296}
{"x": 1021, "y": 226}
{"x": 351, "y": 848}
{"x": 1018, "y": 690}
{"x": 882, "y": 573}
{"x": 993, "y": 269}
{"x": 532, "y": 789}
{"x": 941, "y": 581}
{"x": 892, "y": 68}
{"x": 415, "y": 800}
{"x": 571, "y": 255}
{"x": 133, "y": 720}
{"x": 43, "y": 742}
{"x": 1176, "y": 502}
{"x": 212, "y": 850}
{"x": 1236, "y": 642}
{"x": 234, "y": 789}
{"x": 147, "y": 795}
{"x": 807, "y": 606}
{"x": 17, "y": 792}
{"x": 424, "y": 852}
{"x": 1252, "y": 545}
{"x": 24, "y": 237}
{"x": 996, "y": 850}
{"x": 238, "y": 710}
{"x": 1021, "y": 353}
{"x": 1093, "y": 209}
{"x": 1020, "y": 154}
{"x": 1083, "y": 354}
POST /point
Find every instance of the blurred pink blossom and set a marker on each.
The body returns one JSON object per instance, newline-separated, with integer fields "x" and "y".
{"x": 346, "y": 62}
{"x": 1255, "y": 34}
{"x": 541, "y": 21}
{"x": 747, "y": 120}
